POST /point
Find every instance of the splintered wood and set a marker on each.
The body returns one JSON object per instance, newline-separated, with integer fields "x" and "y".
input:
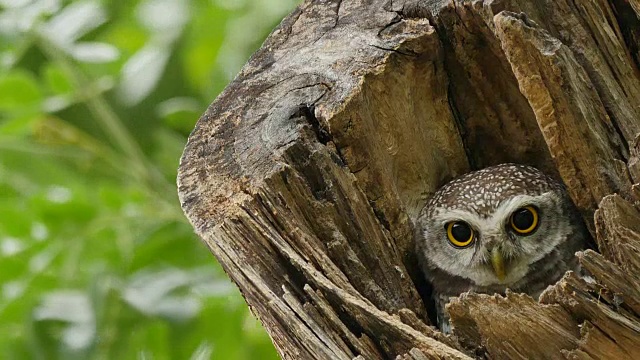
{"x": 305, "y": 175}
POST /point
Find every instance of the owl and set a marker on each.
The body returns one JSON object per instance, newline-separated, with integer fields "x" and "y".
{"x": 505, "y": 226}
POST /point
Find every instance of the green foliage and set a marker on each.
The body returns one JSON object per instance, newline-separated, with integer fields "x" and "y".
{"x": 96, "y": 100}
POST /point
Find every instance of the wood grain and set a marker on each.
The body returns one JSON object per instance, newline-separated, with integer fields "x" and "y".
{"x": 304, "y": 176}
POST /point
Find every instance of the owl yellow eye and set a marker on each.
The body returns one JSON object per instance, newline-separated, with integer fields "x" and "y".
{"x": 459, "y": 234}
{"x": 524, "y": 220}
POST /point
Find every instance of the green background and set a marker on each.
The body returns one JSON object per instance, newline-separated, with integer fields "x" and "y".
{"x": 97, "y": 99}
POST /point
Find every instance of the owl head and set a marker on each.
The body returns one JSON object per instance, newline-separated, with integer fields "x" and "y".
{"x": 490, "y": 228}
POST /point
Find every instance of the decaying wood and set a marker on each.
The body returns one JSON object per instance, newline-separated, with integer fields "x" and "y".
{"x": 600, "y": 309}
{"x": 618, "y": 225}
{"x": 505, "y": 326}
{"x": 304, "y": 176}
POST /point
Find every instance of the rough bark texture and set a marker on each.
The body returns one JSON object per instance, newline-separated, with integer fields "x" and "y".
{"x": 304, "y": 176}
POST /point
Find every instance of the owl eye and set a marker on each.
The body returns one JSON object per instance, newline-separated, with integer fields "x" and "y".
{"x": 459, "y": 234}
{"x": 524, "y": 220}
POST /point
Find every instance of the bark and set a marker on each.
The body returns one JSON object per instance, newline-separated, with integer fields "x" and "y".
{"x": 305, "y": 175}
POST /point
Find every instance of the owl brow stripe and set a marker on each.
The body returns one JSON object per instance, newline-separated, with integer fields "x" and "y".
{"x": 459, "y": 215}
{"x": 506, "y": 208}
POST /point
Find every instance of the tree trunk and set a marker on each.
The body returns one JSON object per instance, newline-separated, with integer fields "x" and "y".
{"x": 305, "y": 175}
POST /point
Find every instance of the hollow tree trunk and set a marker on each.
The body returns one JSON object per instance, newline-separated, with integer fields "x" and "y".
{"x": 305, "y": 175}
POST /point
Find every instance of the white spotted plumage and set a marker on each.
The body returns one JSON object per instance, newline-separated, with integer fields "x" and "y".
{"x": 486, "y": 200}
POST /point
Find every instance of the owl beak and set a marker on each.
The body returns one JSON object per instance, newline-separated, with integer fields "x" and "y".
{"x": 497, "y": 262}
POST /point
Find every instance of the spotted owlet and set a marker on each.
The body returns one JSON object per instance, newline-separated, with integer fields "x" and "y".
{"x": 506, "y": 226}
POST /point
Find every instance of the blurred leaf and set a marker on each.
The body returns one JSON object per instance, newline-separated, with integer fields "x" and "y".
{"x": 128, "y": 36}
{"x": 20, "y": 15}
{"x": 74, "y": 21}
{"x": 204, "y": 39}
{"x": 94, "y": 52}
{"x": 141, "y": 73}
{"x": 203, "y": 352}
{"x": 56, "y": 133}
{"x": 18, "y": 124}
{"x": 74, "y": 310}
{"x": 164, "y": 18}
{"x": 97, "y": 259}
{"x": 53, "y": 131}
{"x": 169, "y": 293}
{"x": 19, "y": 90}
{"x": 170, "y": 145}
{"x": 180, "y": 113}
{"x": 10, "y": 246}
{"x": 20, "y": 102}
{"x": 152, "y": 341}
{"x": 56, "y": 79}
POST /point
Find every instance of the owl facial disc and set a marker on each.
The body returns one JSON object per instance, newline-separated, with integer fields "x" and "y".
{"x": 505, "y": 226}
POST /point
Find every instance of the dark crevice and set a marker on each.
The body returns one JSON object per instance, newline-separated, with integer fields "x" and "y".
{"x": 427, "y": 15}
{"x": 401, "y": 52}
{"x": 623, "y": 153}
{"x": 393, "y": 22}
{"x": 629, "y": 26}
{"x": 335, "y": 22}
{"x": 397, "y": 19}
{"x": 337, "y": 156}
{"x": 424, "y": 287}
{"x": 339, "y": 5}
{"x": 380, "y": 215}
{"x": 318, "y": 184}
{"x": 273, "y": 85}
{"x": 324, "y": 137}
{"x": 357, "y": 170}
{"x": 307, "y": 111}
{"x": 346, "y": 319}
{"x": 305, "y": 114}
{"x": 460, "y": 20}
{"x": 458, "y": 118}
{"x": 459, "y": 121}
{"x": 388, "y": 6}
{"x": 451, "y": 100}
{"x": 350, "y": 321}
{"x": 425, "y": 9}
{"x": 310, "y": 86}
